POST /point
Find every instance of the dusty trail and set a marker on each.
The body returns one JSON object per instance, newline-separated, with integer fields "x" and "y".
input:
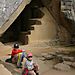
{"x": 45, "y": 66}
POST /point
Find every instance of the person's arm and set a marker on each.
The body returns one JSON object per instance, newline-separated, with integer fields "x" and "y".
{"x": 18, "y": 51}
{"x": 36, "y": 66}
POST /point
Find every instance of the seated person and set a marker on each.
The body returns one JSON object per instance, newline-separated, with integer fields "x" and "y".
{"x": 30, "y": 67}
{"x": 17, "y": 55}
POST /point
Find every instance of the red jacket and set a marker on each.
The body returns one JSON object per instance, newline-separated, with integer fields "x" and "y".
{"x": 14, "y": 51}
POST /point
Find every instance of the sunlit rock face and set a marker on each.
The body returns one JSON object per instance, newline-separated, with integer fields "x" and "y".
{"x": 7, "y": 7}
{"x": 68, "y": 8}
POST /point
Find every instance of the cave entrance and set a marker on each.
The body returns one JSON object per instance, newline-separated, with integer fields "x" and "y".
{"x": 22, "y": 26}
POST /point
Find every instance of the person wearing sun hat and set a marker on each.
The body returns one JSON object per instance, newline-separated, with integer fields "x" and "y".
{"x": 30, "y": 66}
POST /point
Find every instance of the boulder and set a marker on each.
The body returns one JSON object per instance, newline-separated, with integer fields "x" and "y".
{"x": 62, "y": 67}
{"x": 73, "y": 64}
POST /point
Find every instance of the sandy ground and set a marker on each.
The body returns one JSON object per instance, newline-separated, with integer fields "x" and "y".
{"x": 45, "y": 67}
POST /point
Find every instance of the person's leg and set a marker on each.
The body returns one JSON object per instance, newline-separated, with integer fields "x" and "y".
{"x": 36, "y": 69}
{"x": 14, "y": 59}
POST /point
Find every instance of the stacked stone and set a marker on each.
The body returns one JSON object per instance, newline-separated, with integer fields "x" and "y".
{"x": 7, "y": 7}
{"x": 64, "y": 61}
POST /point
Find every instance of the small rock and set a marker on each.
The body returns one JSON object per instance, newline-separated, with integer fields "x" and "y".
{"x": 49, "y": 57}
{"x": 73, "y": 64}
{"x": 62, "y": 67}
{"x": 67, "y": 62}
{"x": 42, "y": 58}
{"x": 62, "y": 52}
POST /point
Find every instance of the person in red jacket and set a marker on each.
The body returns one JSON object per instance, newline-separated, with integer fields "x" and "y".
{"x": 15, "y": 52}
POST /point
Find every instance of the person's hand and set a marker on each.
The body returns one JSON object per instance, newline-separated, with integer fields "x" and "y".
{"x": 23, "y": 50}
